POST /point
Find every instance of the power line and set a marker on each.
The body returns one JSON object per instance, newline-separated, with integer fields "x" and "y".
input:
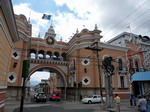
{"x": 141, "y": 25}
{"x": 127, "y": 17}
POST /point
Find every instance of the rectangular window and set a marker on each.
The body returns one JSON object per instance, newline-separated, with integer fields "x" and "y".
{"x": 122, "y": 81}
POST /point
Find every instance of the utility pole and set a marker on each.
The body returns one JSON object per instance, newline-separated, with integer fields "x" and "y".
{"x": 96, "y": 50}
{"x": 25, "y": 72}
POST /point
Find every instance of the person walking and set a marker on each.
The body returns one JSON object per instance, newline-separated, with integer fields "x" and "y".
{"x": 143, "y": 104}
{"x": 117, "y": 103}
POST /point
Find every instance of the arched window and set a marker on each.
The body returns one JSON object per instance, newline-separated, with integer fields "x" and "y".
{"x": 41, "y": 54}
{"x": 64, "y": 56}
{"x": 137, "y": 66}
{"x": 32, "y": 53}
{"x": 130, "y": 63}
{"x": 120, "y": 64}
{"x": 48, "y": 54}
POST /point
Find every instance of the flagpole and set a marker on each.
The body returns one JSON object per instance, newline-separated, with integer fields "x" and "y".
{"x": 52, "y": 20}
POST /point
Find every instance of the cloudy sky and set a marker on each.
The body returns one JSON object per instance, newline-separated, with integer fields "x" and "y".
{"x": 38, "y": 76}
{"x": 111, "y": 16}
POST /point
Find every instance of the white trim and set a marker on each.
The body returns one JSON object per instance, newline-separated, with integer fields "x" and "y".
{"x": 100, "y": 44}
{"x": 3, "y": 87}
{"x": 5, "y": 32}
{"x": 2, "y": 105}
{"x": 2, "y": 101}
{"x": 2, "y": 92}
{"x": 120, "y": 92}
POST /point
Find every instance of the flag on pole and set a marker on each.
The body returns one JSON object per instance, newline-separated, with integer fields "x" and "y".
{"x": 47, "y": 17}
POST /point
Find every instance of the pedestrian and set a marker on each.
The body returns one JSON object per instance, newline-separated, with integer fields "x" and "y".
{"x": 80, "y": 97}
{"x": 138, "y": 103}
{"x": 143, "y": 104}
{"x": 131, "y": 99}
{"x": 117, "y": 103}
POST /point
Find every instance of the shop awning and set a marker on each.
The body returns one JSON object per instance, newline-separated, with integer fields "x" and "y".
{"x": 141, "y": 76}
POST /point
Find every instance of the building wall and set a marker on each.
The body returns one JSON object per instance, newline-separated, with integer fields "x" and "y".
{"x": 75, "y": 50}
{"x": 8, "y": 36}
{"x": 5, "y": 53}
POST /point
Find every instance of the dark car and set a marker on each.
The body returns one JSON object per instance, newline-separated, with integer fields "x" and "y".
{"x": 40, "y": 97}
{"x": 54, "y": 97}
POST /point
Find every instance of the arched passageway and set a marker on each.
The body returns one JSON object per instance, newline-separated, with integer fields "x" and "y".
{"x": 50, "y": 86}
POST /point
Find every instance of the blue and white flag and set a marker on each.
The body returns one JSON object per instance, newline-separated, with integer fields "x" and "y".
{"x": 47, "y": 17}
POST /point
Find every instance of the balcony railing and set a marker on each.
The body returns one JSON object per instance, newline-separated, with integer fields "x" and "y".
{"x": 46, "y": 61}
{"x": 123, "y": 69}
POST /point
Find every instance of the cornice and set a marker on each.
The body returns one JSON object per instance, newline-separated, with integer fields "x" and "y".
{"x": 23, "y": 27}
{"x": 6, "y": 32}
{"x": 113, "y": 47}
{"x": 78, "y": 39}
{"x": 25, "y": 22}
{"x": 100, "y": 44}
{"x": 7, "y": 9}
{"x": 23, "y": 35}
{"x": 46, "y": 45}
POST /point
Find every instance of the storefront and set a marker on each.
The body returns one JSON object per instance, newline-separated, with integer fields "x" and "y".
{"x": 141, "y": 83}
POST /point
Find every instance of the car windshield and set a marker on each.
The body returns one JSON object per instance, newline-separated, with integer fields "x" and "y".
{"x": 41, "y": 94}
{"x": 54, "y": 95}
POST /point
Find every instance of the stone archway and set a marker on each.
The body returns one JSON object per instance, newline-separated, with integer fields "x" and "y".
{"x": 53, "y": 69}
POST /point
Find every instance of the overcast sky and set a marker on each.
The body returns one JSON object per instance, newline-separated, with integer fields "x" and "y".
{"x": 111, "y": 16}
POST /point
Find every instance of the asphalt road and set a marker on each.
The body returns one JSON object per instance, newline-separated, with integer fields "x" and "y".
{"x": 62, "y": 106}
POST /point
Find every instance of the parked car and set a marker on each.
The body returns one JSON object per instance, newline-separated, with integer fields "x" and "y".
{"x": 35, "y": 95}
{"x": 93, "y": 99}
{"x": 54, "y": 97}
{"x": 41, "y": 96}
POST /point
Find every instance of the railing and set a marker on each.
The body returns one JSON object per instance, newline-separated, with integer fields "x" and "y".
{"x": 46, "y": 61}
{"x": 147, "y": 92}
{"x": 124, "y": 69}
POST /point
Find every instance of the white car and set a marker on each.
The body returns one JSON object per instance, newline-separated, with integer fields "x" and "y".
{"x": 93, "y": 99}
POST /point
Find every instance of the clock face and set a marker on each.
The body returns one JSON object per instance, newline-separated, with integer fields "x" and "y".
{"x": 50, "y": 40}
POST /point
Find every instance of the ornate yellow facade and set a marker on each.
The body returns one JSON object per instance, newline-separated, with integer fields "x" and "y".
{"x": 71, "y": 62}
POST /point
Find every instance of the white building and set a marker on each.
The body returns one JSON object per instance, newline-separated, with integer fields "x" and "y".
{"x": 143, "y": 41}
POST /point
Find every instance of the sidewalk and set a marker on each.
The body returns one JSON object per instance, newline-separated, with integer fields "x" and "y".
{"x": 11, "y": 105}
{"x": 124, "y": 107}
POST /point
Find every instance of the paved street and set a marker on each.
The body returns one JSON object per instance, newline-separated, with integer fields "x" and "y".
{"x": 65, "y": 106}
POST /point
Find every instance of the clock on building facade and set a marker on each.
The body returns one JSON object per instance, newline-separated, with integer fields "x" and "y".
{"x": 50, "y": 40}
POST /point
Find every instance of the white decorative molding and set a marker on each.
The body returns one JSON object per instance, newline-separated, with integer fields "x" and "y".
{"x": 85, "y": 61}
{"x": 3, "y": 87}
{"x": 100, "y": 44}
{"x": 5, "y": 32}
{"x": 26, "y": 29}
{"x": 12, "y": 77}
{"x": 86, "y": 80}
{"x": 15, "y": 54}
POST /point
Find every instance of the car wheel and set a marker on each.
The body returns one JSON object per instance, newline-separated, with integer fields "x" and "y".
{"x": 89, "y": 102}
